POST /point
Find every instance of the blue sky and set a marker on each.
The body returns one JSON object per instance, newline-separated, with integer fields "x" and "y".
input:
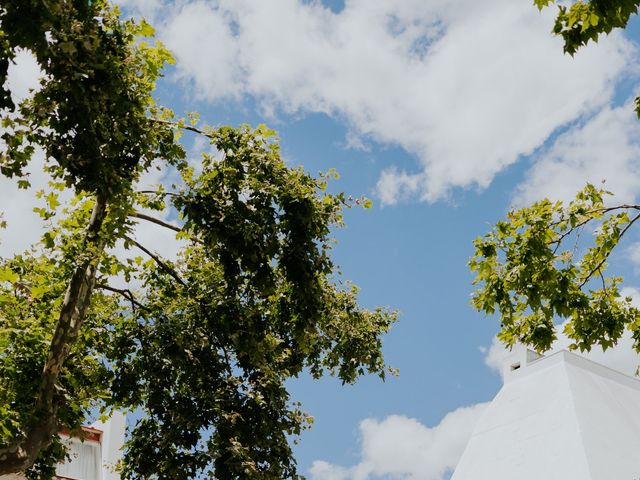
{"x": 446, "y": 113}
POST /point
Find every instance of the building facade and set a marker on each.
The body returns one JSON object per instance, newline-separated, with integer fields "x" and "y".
{"x": 94, "y": 454}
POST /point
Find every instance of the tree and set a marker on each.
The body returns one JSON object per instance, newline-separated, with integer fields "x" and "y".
{"x": 532, "y": 268}
{"x": 204, "y": 346}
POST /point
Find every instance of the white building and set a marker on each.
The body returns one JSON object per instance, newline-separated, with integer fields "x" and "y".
{"x": 94, "y": 456}
{"x": 560, "y": 417}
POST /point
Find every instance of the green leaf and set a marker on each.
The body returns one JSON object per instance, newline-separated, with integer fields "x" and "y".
{"x": 7, "y": 275}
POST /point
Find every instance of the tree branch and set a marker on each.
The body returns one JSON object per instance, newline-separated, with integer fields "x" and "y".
{"x": 157, "y": 221}
{"x": 597, "y": 267}
{"x": 158, "y": 260}
{"x": 126, "y": 293}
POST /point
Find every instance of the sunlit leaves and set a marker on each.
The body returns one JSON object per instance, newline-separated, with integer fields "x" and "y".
{"x": 534, "y": 270}
{"x": 90, "y": 115}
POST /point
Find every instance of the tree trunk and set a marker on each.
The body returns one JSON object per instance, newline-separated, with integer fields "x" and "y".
{"x": 22, "y": 454}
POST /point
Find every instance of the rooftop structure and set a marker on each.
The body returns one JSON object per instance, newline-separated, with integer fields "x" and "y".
{"x": 558, "y": 417}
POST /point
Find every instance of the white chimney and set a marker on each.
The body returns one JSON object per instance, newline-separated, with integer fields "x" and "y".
{"x": 518, "y": 359}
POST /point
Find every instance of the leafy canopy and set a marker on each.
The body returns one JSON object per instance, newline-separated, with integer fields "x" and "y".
{"x": 532, "y": 270}
{"x": 202, "y": 344}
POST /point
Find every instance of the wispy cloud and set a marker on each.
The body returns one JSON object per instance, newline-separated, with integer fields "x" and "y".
{"x": 604, "y": 148}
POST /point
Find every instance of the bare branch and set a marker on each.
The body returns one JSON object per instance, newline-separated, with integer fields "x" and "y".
{"x": 158, "y": 260}
{"x": 126, "y": 293}
{"x": 157, "y": 221}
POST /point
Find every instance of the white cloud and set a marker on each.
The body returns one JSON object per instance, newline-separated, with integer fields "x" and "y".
{"x": 604, "y": 148}
{"x": 23, "y": 75}
{"x": 466, "y": 87}
{"x": 322, "y": 470}
{"x": 203, "y": 42}
{"x": 633, "y": 253}
{"x": 403, "y": 448}
{"x": 394, "y": 186}
{"x": 632, "y": 292}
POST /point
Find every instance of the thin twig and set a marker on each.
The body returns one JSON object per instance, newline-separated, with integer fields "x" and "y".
{"x": 624, "y": 230}
{"x": 604, "y": 284}
{"x": 158, "y": 260}
{"x": 184, "y": 126}
{"x": 154, "y": 192}
{"x": 559, "y": 240}
{"x": 157, "y": 221}
{"x": 569, "y": 232}
{"x": 578, "y": 235}
{"x": 126, "y": 293}
{"x": 624, "y": 206}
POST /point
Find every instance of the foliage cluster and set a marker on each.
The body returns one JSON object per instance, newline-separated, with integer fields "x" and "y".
{"x": 532, "y": 271}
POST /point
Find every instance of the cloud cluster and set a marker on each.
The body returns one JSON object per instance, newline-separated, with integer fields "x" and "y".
{"x": 465, "y": 87}
{"x": 403, "y": 448}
